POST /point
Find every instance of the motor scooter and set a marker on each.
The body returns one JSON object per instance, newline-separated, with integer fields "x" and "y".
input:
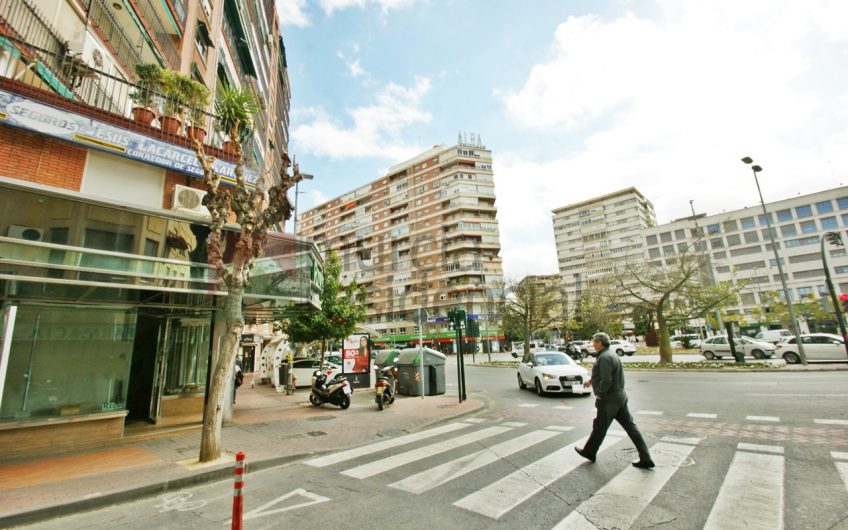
{"x": 573, "y": 351}
{"x": 385, "y": 385}
{"x": 336, "y": 392}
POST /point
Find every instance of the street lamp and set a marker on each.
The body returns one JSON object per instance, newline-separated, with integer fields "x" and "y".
{"x": 793, "y": 321}
{"x": 304, "y": 176}
{"x": 836, "y": 240}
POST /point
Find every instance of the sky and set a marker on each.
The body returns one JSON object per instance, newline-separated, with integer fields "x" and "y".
{"x": 575, "y": 99}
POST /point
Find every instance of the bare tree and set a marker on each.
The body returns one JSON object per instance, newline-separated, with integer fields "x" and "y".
{"x": 528, "y": 307}
{"x": 675, "y": 293}
{"x": 255, "y": 211}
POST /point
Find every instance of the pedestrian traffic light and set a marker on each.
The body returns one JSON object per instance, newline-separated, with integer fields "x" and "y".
{"x": 843, "y": 298}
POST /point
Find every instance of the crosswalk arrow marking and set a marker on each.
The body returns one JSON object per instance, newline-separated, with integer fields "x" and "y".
{"x": 261, "y": 511}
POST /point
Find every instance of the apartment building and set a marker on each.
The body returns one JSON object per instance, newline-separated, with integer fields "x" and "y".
{"x": 424, "y": 236}
{"x": 740, "y": 251}
{"x": 109, "y": 310}
{"x": 593, "y": 235}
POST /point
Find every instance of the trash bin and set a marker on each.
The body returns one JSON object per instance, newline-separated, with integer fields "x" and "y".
{"x": 385, "y": 358}
{"x": 283, "y": 373}
{"x": 410, "y": 376}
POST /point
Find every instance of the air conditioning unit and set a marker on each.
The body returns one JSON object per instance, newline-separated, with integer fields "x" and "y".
{"x": 26, "y": 232}
{"x": 189, "y": 200}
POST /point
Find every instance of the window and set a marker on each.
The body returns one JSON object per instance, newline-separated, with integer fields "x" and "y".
{"x": 828, "y": 223}
{"x": 764, "y": 221}
{"x": 842, "y": 202}
{"x": 804, "y": 211}
{"x": 652, "y": 239}
{"x": 733, "y": 240}
{"x": 751, "y": 237}
{"x": 668, "y": 250}
{"x": 713, "y": 229}
{"x": 653, "y": 253}
{"x": 788, "y": 230}
{"x": 747, "y": 223}
{"x": 804, "y": 292}
{"x": 808, "y": 227}
{"x": 665, "y": 237}
{"x": 717, "y": 243}
{"x": 730, "y": 226}
{"x": 680, "y": 234}
{"x": 824, "y": 207}
{"x": 784, "y": 215}
{"x": 769, "y": 233}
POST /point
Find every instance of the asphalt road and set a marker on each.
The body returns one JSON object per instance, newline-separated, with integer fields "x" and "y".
{"x": 734, "y": 450}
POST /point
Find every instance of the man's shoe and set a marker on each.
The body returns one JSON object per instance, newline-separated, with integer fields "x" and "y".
{"x": 586, "y": 456}
{"x": 644, "y": 464}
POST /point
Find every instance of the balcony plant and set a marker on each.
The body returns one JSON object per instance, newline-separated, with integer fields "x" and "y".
{"x": 198, "y": 99}
{"x": 235, "y": 109}
{"x": 176, "y": 89}
{"x": 149, "y": 84}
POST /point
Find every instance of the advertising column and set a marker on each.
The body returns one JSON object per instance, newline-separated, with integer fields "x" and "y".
{"x": 356, "y": 360}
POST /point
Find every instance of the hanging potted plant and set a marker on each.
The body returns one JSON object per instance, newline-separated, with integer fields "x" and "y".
{"x": 197, "y": 101}
{"x": 149, "y": 84}
{"x": 175, "y": 89}
{"x": 235, "y": 109}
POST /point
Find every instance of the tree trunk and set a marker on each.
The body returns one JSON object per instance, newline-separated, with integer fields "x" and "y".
{"x": 665, "y": 343}
{"x": 222, "y": 376}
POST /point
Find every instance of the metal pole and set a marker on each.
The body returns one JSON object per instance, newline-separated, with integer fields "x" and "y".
{"x": 833, "y": 298}
{"x": 296, "y": 193}
{"x": 786, "y": 293}
{"x": 421, "y": 348}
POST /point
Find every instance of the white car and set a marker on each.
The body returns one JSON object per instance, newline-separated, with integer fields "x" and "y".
{"x": 718, "y": 347}
{"x": 585, "y": 347}
{"x": 817, "y": 347}
{"x": 677, "y": 341}
{"x": 553, "y": 371}
{"x": 622, "y": 347}
{"x": 304, "y": 368}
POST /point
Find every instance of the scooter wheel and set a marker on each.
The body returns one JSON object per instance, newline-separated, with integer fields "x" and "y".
{"x": 380, "y": 403}
{"x": 314, "y": 400}
{"x": 392, "y": 399}
{"x": 344, "y": 402}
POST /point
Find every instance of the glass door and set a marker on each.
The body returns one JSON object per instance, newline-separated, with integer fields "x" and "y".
{"x": 159, "y": 370}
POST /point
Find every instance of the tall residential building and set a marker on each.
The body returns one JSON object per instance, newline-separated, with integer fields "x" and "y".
{"x": 423, "y": 236}
{"x": 593, "y": 235}
{"x": 109, "y": 312}
{"x": 740, "y": 251}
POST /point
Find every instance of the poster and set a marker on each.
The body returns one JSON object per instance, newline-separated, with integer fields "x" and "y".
{"x": 356, "y": 354}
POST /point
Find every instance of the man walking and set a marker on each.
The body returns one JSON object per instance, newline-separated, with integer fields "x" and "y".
{"x": 611, "y": 404}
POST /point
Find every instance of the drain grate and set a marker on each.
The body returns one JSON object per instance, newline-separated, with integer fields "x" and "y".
{"x": 317, "y": 433}
{"x": 321, "y": 418}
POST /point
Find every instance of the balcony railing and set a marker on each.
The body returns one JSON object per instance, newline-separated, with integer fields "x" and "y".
{"x": 163, "y": 38}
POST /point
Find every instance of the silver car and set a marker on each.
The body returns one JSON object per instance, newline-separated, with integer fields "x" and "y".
{"x": 718, "y": 347}
{"x": 817, "y": 347}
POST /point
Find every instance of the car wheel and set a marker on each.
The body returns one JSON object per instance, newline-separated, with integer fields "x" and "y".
{"x": 758, "y": 354}
{"x": 539, "y": 388}
{"x": 791, "y": 357}
{"x": 521, "y": 383}
{"x": 708, "y": 355}
{"x": 620, "y": 352}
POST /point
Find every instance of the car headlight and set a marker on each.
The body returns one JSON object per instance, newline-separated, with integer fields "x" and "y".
{"x": 548, "y": 376}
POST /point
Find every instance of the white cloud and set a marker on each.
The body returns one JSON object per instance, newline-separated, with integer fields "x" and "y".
{"x": 670, "y": 105}
{"x": 355, "y": 69}
{"x": 292, "y": 13}
{"x": 375, "y": 130}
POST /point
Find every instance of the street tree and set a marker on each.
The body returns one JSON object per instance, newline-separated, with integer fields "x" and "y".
{"x": 527, "y": 307}
{"x": 675, "y": 293}
{"x": 807, "y": 309}
{"x": 342, "y": 308}
{"x": 255, "y": 210}
{"x": 596, "y": 311}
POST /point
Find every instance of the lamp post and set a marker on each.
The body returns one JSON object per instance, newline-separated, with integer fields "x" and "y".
{"x": 305, "y": 176}
{"x": 794, "y": 322}
{"x": 836, "y": 240}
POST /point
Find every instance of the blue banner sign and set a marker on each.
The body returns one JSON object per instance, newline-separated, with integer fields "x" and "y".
{"x": 35, "y": 116}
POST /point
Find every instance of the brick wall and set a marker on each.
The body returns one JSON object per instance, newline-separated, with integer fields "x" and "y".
{"x": 36, "y": 158}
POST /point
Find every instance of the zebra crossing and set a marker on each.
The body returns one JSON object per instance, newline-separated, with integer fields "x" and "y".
{"x": 751, "y": 493}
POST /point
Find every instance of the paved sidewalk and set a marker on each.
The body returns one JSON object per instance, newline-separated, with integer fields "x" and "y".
{"x": 270, "y": 428}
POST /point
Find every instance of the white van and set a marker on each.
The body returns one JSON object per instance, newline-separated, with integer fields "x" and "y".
{"x": 773, "y": 335}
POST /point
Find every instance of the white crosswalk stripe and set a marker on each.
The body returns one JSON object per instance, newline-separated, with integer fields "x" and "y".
{"x": 620, "y": 502}
{"x": 502, "y": 496}
{"x": 751, "y": 495}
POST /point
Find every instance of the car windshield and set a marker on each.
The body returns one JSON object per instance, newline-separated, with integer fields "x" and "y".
{"x": 553, "y": 359}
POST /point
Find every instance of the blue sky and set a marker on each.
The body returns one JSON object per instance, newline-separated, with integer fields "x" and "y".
{"x": 575, "y": 99}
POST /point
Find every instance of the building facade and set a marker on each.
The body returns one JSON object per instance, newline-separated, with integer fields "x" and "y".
{"x": 424, "y": 236}
{"x": 592, "y": 236}
{"x": 109, "y": 307}
{"x": 740, "y": 251}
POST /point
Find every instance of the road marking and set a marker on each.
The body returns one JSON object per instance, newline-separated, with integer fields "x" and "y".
{"x": 474, "y": 420}
{"x": 838, "y": 455}
{"x": 692, "y": 440}
{"x": 563, "y": 407}
{"x": 762, "y": 418}
{"x": 622, "y": 500}
{"x": 261, "y": 511}
{"x": 505, "y": 494}
{"x": 388, "y": 444}
{"x": 775, "y": 449}
{"x": 179, "y": 501}
{"x": 529, "y": 405}
{"x": 559, "y": 428}
{"x": 513, "y": 424}
{"x": 650, "y": 412}
{"x": 702, "y": 415}
{"x": 842, "y": 467}
{"x": 831, "y": 422}
{"x": 751, "y": 495}
{"x": 395, "y": 461}
{"x": 427, "y": 480}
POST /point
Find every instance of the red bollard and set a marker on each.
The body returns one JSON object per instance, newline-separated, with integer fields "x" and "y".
{"x": 238, "y": 497}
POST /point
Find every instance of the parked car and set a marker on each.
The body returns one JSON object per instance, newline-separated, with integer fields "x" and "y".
{"x": 680, "y": 341}
{"x": 622, "y": 347}
{"x": 718, "y": 347}
{"x": 817, "y": 347}
{"x": 304, "y": 368}
{"x": 553, "y": 371}
{"x": 773, "y": 335}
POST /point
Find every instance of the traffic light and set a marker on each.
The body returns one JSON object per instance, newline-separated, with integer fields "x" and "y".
{"x": 834, "y": 238}
{"x": 472, "y": 328}
{"x": 843, "y": 299}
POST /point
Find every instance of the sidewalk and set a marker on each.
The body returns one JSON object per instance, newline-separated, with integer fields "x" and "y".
{"x": 270, "y": 428}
